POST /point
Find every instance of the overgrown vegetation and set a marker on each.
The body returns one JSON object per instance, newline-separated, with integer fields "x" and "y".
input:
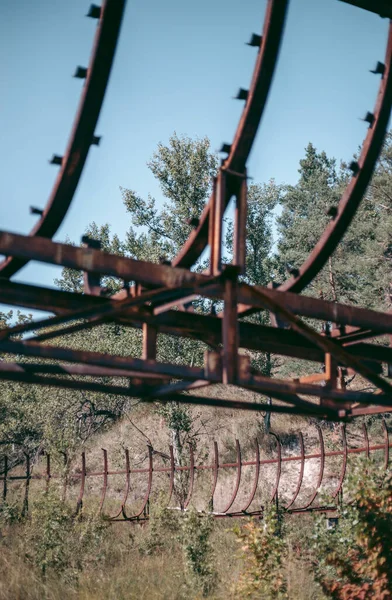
{"x": 354, "y": 559}
{"x": 187, "y": 555}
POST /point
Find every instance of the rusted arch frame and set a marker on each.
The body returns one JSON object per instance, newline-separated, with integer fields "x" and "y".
{"x": 191, "y": 477}
{"x": 386, "y": 445}
{"x": 301, "y": 472}
{"x": 356, "y": 188}
{"x": 84, "y": 475}
{"x": 83, "y": 130}
{"x": 256, "y": 480}
{"x": 215, "y": 467}
{"x": 172, "y": 473}
{"x": 79, "y": 503}
{"x": 238, "y": 479}
{"x": 275, "y": 491}
{"x": 344, "y": 463}
{"x": 321, "y": 472}
{"x": 247, "y": 127}
{"x": 105, "y": 485}
{"x": 148, "y": 491}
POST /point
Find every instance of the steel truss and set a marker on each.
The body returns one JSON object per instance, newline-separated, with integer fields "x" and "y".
{"x": 158, "y": 297}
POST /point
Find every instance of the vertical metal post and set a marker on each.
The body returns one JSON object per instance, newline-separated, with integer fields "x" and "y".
{"x": 330, "y": 371}
{"x": 239, "y": 240}
{"x": 79, "y": 503}
{"x": 149, "y": 342}
{"x": 48, "y": 474}
{"x": 218, "y": 208}
{"x": 149, "y": 350}
{"x": 91, "y": 281}
{"x": 230, "y": 328}
{"x": 211, "y": 223}
{"x": 27, "y": 485}
{"x": 5, "y": 478}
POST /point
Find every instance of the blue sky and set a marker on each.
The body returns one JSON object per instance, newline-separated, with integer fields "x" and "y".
{"x": 177, "y": 67}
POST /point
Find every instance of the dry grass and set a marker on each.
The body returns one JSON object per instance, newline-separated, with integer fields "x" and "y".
{"x": 126, "y": 574}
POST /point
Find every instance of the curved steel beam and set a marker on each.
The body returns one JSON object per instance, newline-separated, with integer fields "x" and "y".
{"x": 356, "y": 188}
{"x": 127, "y": 486}
{"x": 82, "y": 484}
{"x": 248, "y": 124}
{"x": 172, "y": 471}
{"x": 48, "y": 473}
{"x": 256, "y": 480}
{"x": 321, "y": 472}
{"x": 366, "y": 437}
{"x": 274, "y": 494}
{"x": 191, "y": 476}
{"x": 82, "y": 134}
{"x": 148, "y": 491}
{"x": 386, "y": 448}
{"x": 105, "y": 479}
{"x": 238, "y": 480}
{"x": 215, "y": 470}
{"x": 301, "y": 472}
{"x": 344, "y": 463}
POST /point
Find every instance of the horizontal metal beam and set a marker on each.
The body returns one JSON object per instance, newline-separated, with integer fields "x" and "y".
{"x": 133, "y": 391}
{"x": 95, "y": 261}
{"x": 264, "y": 385}
{"x": 128, "y": 269}
{"x": 380, "y": 7}
{"x": 251, "y": 336}
{"x": 103, "y": 360}
{"x": 305, "y": 306}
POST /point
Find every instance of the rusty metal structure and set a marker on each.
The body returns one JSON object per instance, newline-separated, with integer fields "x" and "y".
{"x": 240, "y": 503}
{"x": 158, "y": 297}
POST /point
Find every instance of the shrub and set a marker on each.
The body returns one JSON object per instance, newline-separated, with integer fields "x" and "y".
{"x": 162, "y": 528}
{"x": 263, "y": 551}
{"x": 197, "y": 549}
{"x": 354, "y": 559}
{"x": 59, "y": 542}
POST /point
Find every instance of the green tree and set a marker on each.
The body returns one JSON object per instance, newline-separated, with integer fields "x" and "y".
{"x": 357, "y": 271}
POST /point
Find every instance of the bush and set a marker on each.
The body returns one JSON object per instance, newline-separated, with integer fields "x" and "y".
{"x": 354, "y": 559}
{"x": 59, "y": 542}
{"x": 197, "y": 549}
{"x": 263, "y": 551}
{"x": 162, "y": 529}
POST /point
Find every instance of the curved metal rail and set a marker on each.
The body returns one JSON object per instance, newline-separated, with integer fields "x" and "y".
{"x": 248, "y": 124}
{"x": 83, "y": 130}
{"x": 353, "y": 194}
{"x": 246, "y": 130}
{"x": 256, "y": 480}
{"x": 301, "y": 473}
{"x": 383, "y": 448}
